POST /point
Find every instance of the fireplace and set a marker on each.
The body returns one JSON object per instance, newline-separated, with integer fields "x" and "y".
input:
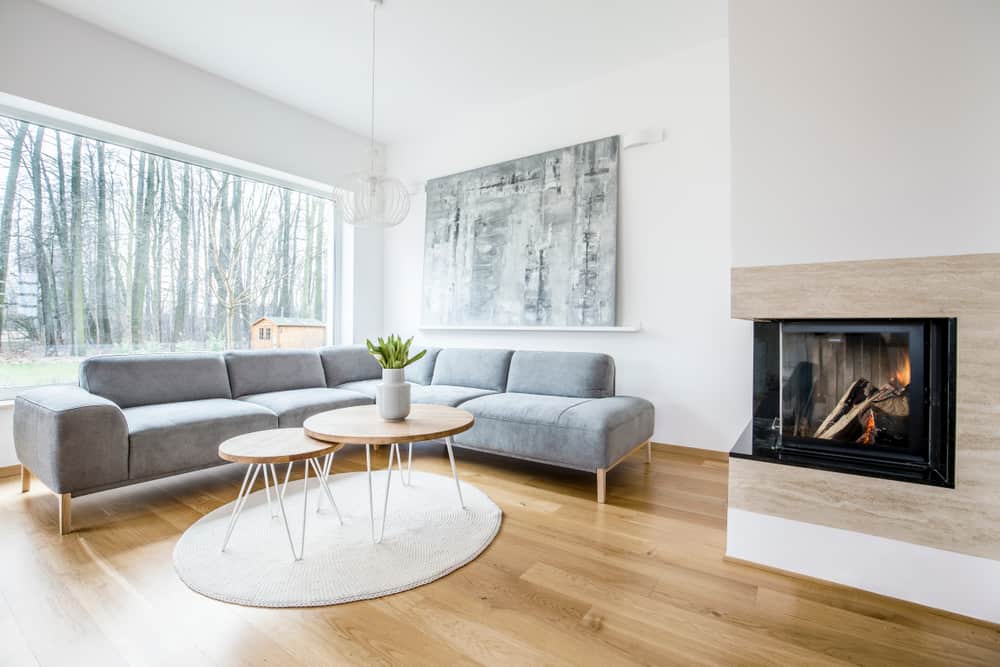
{"x": 869, "y": 397}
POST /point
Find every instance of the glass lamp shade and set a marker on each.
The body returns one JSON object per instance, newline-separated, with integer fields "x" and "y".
{"x": 375, "y": 201}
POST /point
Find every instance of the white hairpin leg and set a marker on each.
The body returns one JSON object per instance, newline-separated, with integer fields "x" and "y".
{"x": 371, "y": 490}
{"x": 325, "y": 474}
{"x": 241, "y": 499}
{"x": 305, "y": 507}
{"x": 288, "y": 473}
{"x": 388, "y": 482}
{"x": 409, "y": 464}
{"x": 267, "y": 491}
{"x": 454, "y": 471}
{"x": 326, "y": 489}
{"x": 284, "y": 518}
{"x": 399, "y": 464}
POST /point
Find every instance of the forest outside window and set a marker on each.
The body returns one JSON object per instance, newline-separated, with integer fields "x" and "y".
{"x": 106, "y": 249}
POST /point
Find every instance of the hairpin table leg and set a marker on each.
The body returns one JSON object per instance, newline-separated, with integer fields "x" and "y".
{"x": 454, "y": 471}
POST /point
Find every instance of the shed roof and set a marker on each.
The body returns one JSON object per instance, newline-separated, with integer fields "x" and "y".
{"x": 291, "y": 321}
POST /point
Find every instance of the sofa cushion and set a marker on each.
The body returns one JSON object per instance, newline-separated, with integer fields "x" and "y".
{"x": 296, "y": 405}
{"x": 585, "y": 434}
{"x": 482, "y": 369}
{"x": 348, "y": 363}
{"x": 273, "y": 370}
{"x": 366, "y": 387}
{"x": 147, "y": 379}
{"x": 444, "y": 394}
{"x": 174, "y": 437}
{"x": 422, "y": 371}
{"x": 584, "y": 374}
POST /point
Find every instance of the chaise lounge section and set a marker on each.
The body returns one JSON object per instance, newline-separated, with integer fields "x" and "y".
{"x": 141, "y": 417}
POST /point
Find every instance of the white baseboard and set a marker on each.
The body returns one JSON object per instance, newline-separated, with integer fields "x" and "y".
{"x": 946, "y": 580}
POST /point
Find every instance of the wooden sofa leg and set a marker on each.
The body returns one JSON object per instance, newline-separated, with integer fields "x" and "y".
{"x": 649, "y": 451}
{"x": 25, "y": 479}
{"x": 65, "y": 514}
{"x": 602, "y": 485}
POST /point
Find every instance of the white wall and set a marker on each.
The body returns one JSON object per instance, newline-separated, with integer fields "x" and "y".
{"x": 864, "y": 129}
{"x": 673, "y": 255}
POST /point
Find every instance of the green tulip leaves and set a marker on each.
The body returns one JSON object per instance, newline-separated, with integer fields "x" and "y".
{"x": 393, "y": 352}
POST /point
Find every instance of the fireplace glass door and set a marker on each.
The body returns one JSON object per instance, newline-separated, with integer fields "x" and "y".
{"x": 866, "y": 396}
{"x": 849, "y": 386}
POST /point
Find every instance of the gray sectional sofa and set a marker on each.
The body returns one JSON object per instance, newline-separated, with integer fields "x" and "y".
{"x": 140, "y": 417}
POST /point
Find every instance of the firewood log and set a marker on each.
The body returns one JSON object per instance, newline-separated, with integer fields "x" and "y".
{"x": 849, "y": 420}
{"x": 859, "y": 390}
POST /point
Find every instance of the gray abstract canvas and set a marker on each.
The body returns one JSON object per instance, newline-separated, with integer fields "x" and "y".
{"x": 529, "y": 242}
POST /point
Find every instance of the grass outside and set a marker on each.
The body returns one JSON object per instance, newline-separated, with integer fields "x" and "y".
{"x": 17, "y": 375}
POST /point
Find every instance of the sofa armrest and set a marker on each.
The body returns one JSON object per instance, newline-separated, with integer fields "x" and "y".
{"x": 70, "y": 439}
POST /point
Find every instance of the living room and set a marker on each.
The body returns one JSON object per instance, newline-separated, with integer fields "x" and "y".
{"x": 703, "y": 299}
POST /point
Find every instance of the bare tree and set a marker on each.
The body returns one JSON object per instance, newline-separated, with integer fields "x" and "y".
{"x": 46, "y": 303}
{"x": 230, "y": 291}
{"x": 143, "y": 222}
{"x": 79, "y": 338}
{"x": 7, "y": 214}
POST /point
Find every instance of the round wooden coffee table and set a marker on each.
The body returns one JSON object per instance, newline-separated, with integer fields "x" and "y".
{"x": 261, "y": 450}
{"x": 361, "y": 425}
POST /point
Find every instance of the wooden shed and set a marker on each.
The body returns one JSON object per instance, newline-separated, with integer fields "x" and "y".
{"x": 268, "y": 333}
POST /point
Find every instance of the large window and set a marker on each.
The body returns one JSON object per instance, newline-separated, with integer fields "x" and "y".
{"x": 108, "y": 249}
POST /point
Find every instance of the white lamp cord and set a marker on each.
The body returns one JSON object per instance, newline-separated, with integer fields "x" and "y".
{"x": 372, "y": 148}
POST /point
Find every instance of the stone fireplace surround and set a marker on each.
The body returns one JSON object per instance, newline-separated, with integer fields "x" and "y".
{"x": 862, "y": 531}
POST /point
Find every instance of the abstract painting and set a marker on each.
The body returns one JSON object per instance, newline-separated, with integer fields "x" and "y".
{"x": 529, "y": 242}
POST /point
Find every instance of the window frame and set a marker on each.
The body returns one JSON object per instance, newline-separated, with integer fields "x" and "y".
{"x": 52, "y": 118}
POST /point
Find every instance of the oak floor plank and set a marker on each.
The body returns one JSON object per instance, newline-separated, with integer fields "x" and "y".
{"x": 640, "y": 580}
{"x": 14, "y": 649}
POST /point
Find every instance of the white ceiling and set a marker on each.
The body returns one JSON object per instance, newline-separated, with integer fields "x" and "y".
{"x": 436, "y": 58}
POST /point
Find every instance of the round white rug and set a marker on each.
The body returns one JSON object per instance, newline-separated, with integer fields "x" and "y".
{"x": 427, "y": 535}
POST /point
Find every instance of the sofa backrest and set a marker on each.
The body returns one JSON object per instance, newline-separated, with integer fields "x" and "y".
{"x": 422, "y": 372}
{"x": 259, "y": 372}
{"x": 146, "y": 379}
{"x": 482, "y": 369}
{"x": 348, "y": 363}
{"x": 578, "y": 374}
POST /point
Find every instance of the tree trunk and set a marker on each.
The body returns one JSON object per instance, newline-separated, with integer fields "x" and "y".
{"x": 103, "y": 260}
{"x": 241, "y": 327}
{"x": 65, "y": 246}
{"x": 281, "y": 284}
{"x": 143, "y": 222}
{"x": 183, "y": 211}
{"x": 45, "y": 297}
{"x": 7, "y": 215}
{"x": 156, "y": 284}
{"x": 76, "y": 244}
{"x": 197, "y": 213}
{"x": 54, "y": 275}
{"x": 222, "y": 255}
{"x": 319, "y": 280}
{"x": 307, "y": 264}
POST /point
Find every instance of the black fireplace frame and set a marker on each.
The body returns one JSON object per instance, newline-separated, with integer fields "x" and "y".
{"x": 930, "y": 458}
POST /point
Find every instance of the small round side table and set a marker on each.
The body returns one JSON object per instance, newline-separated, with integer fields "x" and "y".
{"x": 261, "y": 450}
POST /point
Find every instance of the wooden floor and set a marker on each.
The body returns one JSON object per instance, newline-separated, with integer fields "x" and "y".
{"x": 640, "y": 580}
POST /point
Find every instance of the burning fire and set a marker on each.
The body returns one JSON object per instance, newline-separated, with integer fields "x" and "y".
{"x": 868, "y": 437}
{"x": 903, "y": 372}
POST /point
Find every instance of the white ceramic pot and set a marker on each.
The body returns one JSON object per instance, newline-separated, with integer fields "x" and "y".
{"x": 392, "y": 395}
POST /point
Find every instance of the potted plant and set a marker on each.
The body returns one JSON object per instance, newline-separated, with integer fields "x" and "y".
{"x": 392, "y": 395}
